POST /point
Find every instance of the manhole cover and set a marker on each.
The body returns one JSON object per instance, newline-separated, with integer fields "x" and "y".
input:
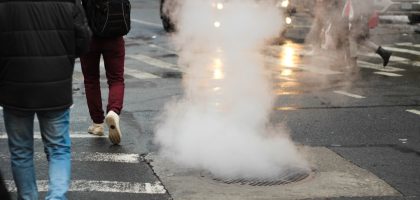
{"x": 286, "y": 177}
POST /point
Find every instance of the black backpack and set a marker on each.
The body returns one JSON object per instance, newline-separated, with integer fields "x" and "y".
{"x": 108, "y": 18}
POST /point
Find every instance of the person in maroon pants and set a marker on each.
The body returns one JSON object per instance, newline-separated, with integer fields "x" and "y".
{"x": 113, "y": 53}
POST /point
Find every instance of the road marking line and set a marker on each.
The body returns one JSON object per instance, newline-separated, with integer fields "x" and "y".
{"x": 139, "y": 74}
{"x": 37, "y": 135}
{"x": 277, "y": 64}
{"x": 404, "y": 44}
{"x": 91, "y": 157}
{"x": 131, "y": 72}
{"x": 403, "y": 50}
{"x": 408, "y": 44}
{"x": 146, "y": 23}
{"x": 393, "y": 57}
{"x": 388, "y": 74}
{"x": 349, "y": 94}
{"x": 379, "y": 67}
{"x": 142, "y": 42}
{"x": 101, "y": 186}
{"x": 417, "y": 112}
{"x": 153, "y": 61}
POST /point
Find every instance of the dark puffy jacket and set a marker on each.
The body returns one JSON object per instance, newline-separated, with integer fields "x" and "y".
{"x": 39, "y": 41}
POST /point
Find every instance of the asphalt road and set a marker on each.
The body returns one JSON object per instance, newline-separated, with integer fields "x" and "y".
{"x": 370, "y": 119}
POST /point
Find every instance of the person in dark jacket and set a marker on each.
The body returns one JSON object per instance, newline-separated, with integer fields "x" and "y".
{"x": 39, "y": 43}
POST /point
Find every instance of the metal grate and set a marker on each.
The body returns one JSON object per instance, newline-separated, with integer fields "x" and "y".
{"x": 286, "y": 177}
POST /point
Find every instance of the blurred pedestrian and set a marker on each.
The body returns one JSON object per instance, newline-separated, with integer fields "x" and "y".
{"x": 4, "y": 194}
{"x": 108, "y": 42}
{"x": 358, "y": 13}
{"x": 39, "y": 43}
{"x": 326, "y": 30}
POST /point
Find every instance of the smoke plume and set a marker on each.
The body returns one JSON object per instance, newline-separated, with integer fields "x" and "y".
{"x": 221, "y": 122}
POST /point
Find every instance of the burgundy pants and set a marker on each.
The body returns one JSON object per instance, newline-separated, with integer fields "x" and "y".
{"x": 113, "y": 53}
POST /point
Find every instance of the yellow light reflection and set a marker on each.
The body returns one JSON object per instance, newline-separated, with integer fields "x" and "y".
{"x": 218, "y": 69}
{"x": 288, "y": 20}
{"x": 217, "y": 24}
{"x": 285, "y": 3}
{"x": 286, "y": 93}
{"x": 288, "y": 56}
{"x": 220, "y": 6}
{"x": 286, "y": 108}
{"x": 286, "y": 72}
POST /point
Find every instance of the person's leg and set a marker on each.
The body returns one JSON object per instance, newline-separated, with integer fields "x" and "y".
{"x": 54, "y": 126}
{"x": 351, "y": 55}
{"x": 385, "y": 55}
{"x": 19, "y": 128}
{"x": 114, "y": 53}
{"x": 90, "y": 68}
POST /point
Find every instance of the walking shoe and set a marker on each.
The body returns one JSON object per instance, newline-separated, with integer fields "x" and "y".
{"x": 113, "y": 121}
{"x": 96, "y": 129}
{"x": 385, "y": 55}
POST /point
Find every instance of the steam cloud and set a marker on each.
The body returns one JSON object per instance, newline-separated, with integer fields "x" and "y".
{"x": 221, "y": 123}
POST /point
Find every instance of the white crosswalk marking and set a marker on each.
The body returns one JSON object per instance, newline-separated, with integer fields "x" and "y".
{"x": 146, "y": 23}
{"x": 276, "y": 63}
{"x": 101, "y": 186}
{"x": 131, "y": 72}
{"x": 349, "y": 94}
{"x": 139, "y": 74}
{"x": 400, "y": 50}
{"x": 378, "y": 67}
{"x": 37, "y": 135}
{"x": 417, "y": 112}
{"x": 388, "y": 74}
{"x": 91, "y": 157}
{"x": 153, "y": 61}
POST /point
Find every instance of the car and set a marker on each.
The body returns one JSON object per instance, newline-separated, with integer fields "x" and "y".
{"x": 411, "y": 8}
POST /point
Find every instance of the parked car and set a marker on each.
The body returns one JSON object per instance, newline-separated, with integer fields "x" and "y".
{"x": 411, "y": 8}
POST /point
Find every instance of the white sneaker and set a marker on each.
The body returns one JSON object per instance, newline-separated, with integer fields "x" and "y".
{"x": 113, "y": 121}
{"x": 96, "y": 129}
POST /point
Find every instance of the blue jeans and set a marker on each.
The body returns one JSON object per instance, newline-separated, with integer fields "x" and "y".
{"x": 54, "y": 127}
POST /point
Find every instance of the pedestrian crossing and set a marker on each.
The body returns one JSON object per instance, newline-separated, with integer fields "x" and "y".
{"x": 406, "y": 54}
{"x": 104, "y": 184}
{"x": 101, "y": 186}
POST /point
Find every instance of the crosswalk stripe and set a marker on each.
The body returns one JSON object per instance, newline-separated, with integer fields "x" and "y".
{"x": 349, "y": 94}
{"x": 393, "y": 58}
{"x": 318, "y": 70}
{"x": 37, "y": 135}
{"x": 153, "y": 61}
{"x": 379, "y": 67}
{"x": 139, "y": 74}
{"x": 408, "y": 44}
{"x": 417, "y": 112}
{"x": 388, "y": 74}
{"x": 400, "y": 50}
{"x": 91, "y": 157}
{"x": 131, "y": 72}
{"x": 101, "y": 186}
{"x": 146, "y": 23}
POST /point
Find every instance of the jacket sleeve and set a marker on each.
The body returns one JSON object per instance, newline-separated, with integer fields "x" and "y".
{"x": 82, "y": 30}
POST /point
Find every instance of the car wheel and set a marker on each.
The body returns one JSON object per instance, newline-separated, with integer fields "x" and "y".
{"x": 168, "y": 25}
{"x": 414, "y": 19}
